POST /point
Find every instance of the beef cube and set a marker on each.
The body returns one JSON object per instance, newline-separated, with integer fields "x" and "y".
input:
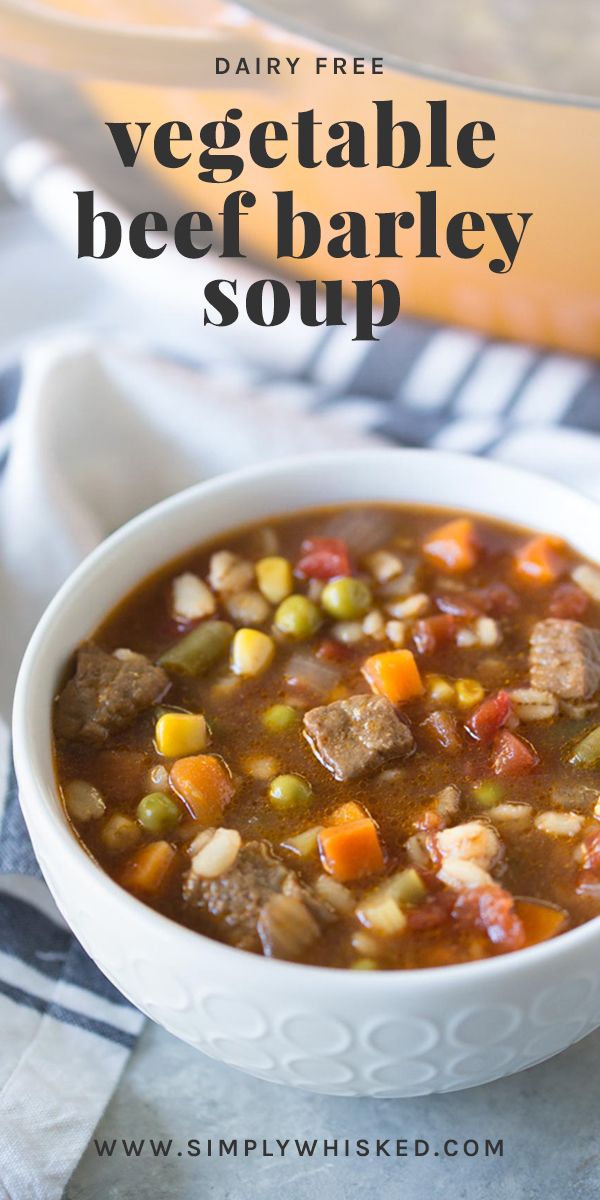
{"x": 106, "y": 693}
{"x": 237, "y": 906}
{"x": 564, "y": 658}
{"x": 355, "y": 736}
{"x": 232, "y": 902}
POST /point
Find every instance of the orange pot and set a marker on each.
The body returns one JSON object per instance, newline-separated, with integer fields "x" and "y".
{"x": 545, "y": 161}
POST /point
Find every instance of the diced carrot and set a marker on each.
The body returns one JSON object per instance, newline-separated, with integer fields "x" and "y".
{"x": 149, "y": 869}
{"x": 351, "y": 811}
{"x": 204, "y": 783}
{"x": 351, "y": 850}
{"x": 540, "y": 921}
{"x": 394, "y": 674}
{"x": 541, "y": 560}
{"x": 453, "y": 546}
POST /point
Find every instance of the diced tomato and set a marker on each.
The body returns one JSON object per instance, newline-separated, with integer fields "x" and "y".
{"x": 432, "y": 913}
{"x": 432, "y": 632}
{"x": 443, "y": 727}
{"x": 497, "y": 600}
{"x": 431, "y": 846}
{"x": 429, "y": 821}
{"x": 331, "y": 651}
{"x": 591, "y": 851}
{"x": 491, "y": 909}
{"x": 512, "y": 755}
{"x": 568, "y": 602}
{"x": 489, "y": 717}
{"x": 324, "y": 558}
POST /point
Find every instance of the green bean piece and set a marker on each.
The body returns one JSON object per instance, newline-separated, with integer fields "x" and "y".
{"x": 199, "y": 650}
{"x": 289, "y": 792}
{"x": 158, "y": 813}
{"x": 280, "y": 717}
{"x": 586, "y": 752}
{"x": 364, "y": 964}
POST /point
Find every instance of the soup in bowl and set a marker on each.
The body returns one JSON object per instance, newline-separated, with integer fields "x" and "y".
{"x": 332, "y": 772}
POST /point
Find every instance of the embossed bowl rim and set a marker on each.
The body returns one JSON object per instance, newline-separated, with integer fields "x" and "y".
{"x": 222, "y": 503}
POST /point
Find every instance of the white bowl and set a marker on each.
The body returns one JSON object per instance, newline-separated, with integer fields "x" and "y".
{"x": 396, "y": 1033}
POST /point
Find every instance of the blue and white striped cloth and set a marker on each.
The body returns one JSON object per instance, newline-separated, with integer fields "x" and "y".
{"x": 70, "y": 414}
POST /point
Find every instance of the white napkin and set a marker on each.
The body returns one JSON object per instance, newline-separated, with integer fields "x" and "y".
{"x": 102, "y": 433}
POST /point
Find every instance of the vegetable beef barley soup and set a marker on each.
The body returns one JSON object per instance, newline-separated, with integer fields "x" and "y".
{"x": 366, "y": 737}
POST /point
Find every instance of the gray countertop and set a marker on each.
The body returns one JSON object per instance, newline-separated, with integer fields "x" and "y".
{"x": 547, "y": 1118}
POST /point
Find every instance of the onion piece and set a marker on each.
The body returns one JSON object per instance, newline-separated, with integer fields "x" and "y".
{"x": 304, "y": 670}
{"x": 363, "y": 530}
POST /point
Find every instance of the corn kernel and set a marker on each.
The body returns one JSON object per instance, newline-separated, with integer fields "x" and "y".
{"x": 179, "y": 734}
{"x": 439, "y": 690}
{"x": 275, "y": 578}
{"x": 251, "y": 652}
{"x": 383, "y": 917}
{"x": 366, "y": 944}
{"x": 468, "y": 692}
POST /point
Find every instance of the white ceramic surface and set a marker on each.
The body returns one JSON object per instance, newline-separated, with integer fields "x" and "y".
{"x": 343, "y": 1033}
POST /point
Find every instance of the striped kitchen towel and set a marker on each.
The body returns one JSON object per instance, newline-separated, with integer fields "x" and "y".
{"x": 90, "y": 435}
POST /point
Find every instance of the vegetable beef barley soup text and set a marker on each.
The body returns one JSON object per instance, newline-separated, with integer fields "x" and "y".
{"x": 364, "y": 737}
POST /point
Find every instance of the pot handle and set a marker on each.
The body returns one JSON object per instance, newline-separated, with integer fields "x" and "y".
{"x": 35, "y": 33}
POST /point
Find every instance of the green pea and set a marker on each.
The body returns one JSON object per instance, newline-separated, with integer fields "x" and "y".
{"x": 298, "y": 617}
{"x": 289, "y": 791}
{"x": 280, "y": 717}
{"x": 346, "y": 599}
{"x": 488, "y": 794}
{"x": 158, "y": 813}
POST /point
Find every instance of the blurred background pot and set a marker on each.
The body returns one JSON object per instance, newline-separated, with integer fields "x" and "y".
{"x": 156, "y": 62}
